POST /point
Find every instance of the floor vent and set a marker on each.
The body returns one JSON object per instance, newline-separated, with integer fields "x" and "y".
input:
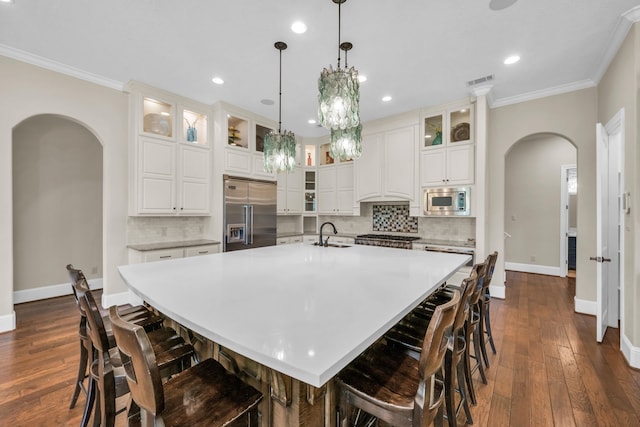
{"x": 481, "y": 80}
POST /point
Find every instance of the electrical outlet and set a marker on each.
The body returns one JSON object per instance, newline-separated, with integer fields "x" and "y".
{"x": 94, "y": 270}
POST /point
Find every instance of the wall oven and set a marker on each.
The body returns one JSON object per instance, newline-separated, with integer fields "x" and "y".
{"x": 452, "y": 201}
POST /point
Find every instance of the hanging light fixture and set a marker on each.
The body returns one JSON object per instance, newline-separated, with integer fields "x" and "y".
{"x": 280, "y": 146}
{"x": 339, "y": 93}
{"x": 346, "y": 144}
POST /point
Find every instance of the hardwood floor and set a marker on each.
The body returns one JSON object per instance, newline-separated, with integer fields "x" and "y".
{"x": 549, "y": 371}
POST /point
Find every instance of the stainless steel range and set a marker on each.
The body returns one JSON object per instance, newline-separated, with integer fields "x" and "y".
{"x": 388, "y": 241}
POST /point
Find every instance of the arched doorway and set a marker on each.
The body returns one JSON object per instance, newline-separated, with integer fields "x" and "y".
{"x": 57, "y": 205}
{"x": 533, "y": 211}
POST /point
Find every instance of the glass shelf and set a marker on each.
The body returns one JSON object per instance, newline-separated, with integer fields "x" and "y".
{"x": 157, "y": 117}
{"x": 310, "y": 191}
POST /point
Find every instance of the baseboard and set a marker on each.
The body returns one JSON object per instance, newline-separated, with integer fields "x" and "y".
{"x": 51, "y": 291}
{"x": 8, "y": 322}
{"x": 631, "y": 353}
{"x": 584, "y": 306}
{"x": 532, "y": 268}
{"x": 121, "y": 298}
{"x": 497, "y": 291}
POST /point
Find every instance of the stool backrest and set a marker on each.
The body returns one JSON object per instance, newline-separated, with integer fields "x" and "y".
{"x": 97, "y": 331}
{"x": 480, "y": 270}
{"x": 468, "y": 286}
{"x": 79, "y": 284}
{"x": 139, "y": 362}
{"x": 437, "y": 337}
{"x": 491, "y": 265}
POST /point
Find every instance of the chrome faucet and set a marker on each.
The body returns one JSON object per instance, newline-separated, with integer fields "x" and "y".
{"x": 326, "y": 242}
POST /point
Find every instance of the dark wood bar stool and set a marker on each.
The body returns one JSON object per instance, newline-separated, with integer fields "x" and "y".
{"x": 203, "y": 395}
{"x": 394, "y": 387}
{"x": 485, "y": 310}
{"x": 79, "y": 285}
{"x": 409, "y": 334}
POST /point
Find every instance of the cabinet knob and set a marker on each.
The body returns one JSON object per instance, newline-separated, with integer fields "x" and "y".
{"x": 181, "y": 209}
{"x": 174, "y": 208}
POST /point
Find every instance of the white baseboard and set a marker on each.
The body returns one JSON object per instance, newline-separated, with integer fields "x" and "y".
{"x": 532, "y": 268}
{"x": 8, "y": 322}
{"x": 50, "y": 291}
{"x": 121, "y": 298}
{"x": 497, "y": 291}
{"x": 584, "y": 306}
{"x": 631, "y": 353}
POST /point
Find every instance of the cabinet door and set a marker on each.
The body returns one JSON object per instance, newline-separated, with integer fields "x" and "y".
{"x": 432, "y": 168}
{"x": 281, "y": 196}
{"x": 327, "y": 190}
{"x": 201, "y": 250}
{"x": 194, "y": 180}
{"x": 237, "y": 161}
{"x": 294, "y": 192}
{"x": 157, "y": 176}
{"x": 367, "y": 168}
{"x": 399, "y": 169}
{"x": 344, "y": 188}
{"x": 162, "y": 254}
{"x": 258, "y": 167}
{"x": 460, "y": 165}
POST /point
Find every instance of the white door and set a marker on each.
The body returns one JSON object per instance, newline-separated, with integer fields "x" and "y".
{"x": 602, "y": 235}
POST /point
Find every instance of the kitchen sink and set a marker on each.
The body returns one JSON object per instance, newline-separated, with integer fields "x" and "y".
{"x": 332, "y": 245}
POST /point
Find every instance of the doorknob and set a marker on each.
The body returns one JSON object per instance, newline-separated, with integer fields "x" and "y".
{"x": 606, "y": 259}
{"x": 596, "y": 259}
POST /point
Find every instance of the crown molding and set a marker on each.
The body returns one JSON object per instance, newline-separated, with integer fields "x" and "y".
{"x": 543, "y": 93}
{"x": 58, "y": 67}
{"x": 623, "y": 26}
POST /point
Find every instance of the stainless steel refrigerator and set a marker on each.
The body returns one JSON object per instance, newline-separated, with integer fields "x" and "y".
{"x": 249, "y": 213}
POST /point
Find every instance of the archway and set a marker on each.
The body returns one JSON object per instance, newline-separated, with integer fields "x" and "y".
{"x": 532, "y": 209}
{"x": 57, "y": 166}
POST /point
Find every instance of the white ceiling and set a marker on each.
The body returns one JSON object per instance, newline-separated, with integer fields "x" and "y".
{"x": 421, "y": 52}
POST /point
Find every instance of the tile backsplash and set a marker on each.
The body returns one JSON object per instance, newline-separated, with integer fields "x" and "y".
{"x": 143, "y": 230}
{"x": 394, "y": 218}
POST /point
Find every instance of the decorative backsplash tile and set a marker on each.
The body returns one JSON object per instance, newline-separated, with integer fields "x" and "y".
{"x": 143, "y": 230}
{"x": 394, "y": 218}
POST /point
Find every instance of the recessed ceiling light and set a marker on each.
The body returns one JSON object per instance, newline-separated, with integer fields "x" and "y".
{"x": 267, "y": 101}
{"x": 362, "y": 78}
{"x": 511, "y": 60}
{"x": 386, "y": 98}
{"x": 311, "y": 121}
{"x": 6, "y": 1}
{"x": 299, "y": 27}
{"x": 217, "y": 80}
{"x": 464, "y": 110}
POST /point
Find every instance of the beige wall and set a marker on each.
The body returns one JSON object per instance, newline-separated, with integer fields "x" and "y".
{"x": 27, "y": 91}
{"x": 572, "y": 116}
{"x": 618, "y": 89}
{"x": 57, "y": 201}
{"x": 532, "y": 199}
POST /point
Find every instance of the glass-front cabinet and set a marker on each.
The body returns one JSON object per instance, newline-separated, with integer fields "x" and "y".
{"x": 310, "y": 188}
{"x": 453, "y": 126}
{"x": 194, "y": 128}
{"x": 158, "y": 117}
{"x": 237, "y": 132}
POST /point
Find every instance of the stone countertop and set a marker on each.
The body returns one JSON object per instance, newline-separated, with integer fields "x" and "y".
{"x": 172, "y": 245}
{"x": 299, "y": 309}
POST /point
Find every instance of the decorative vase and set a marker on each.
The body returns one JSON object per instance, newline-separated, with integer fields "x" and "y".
{"x": 438, "y": 139}
{"x": 192, "y": 134}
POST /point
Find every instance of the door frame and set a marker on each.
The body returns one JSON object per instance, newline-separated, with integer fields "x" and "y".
{"x": 564, "y": 218}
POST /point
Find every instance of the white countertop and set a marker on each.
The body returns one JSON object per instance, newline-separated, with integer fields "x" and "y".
{"x": 300, "y": 309}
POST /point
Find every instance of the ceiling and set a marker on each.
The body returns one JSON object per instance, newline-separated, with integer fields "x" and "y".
{"x": 420, "y": 52}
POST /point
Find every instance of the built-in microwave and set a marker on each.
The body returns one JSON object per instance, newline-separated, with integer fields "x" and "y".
{"x": 446, "y": 201}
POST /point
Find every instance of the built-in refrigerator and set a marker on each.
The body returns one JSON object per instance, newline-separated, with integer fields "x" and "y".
{"x": 249, "y": 213}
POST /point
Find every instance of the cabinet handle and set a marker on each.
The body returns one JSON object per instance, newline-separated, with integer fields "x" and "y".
{"x": 165, "y": 256}
{"x": 203, "y": 252}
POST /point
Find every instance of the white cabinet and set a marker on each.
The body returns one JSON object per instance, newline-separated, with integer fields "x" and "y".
{"x": 289, "y": 240}
{"x": 342, "y": 240}
{"x": 447, "y": 157}
{"x": 170, "y": 154}
{"x": 289, "y": 199}
{"x": 386, "y": 169}
{"x": 140, "y": 256}
{"x": 448, "y": 166}
{"x": 335, "y": 189}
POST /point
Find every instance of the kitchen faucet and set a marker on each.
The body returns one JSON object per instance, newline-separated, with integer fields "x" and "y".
{"x": 326, "y": 242}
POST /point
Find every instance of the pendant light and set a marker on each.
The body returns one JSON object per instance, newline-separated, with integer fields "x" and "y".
{"x": 339, "y": 93}
{"x": 346, "y": 144}
{"x": 280, "y": 146}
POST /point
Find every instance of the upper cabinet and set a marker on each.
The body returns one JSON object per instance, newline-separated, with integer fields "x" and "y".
{"x": 289, "y": 199}
{"x": 386, "y": 170}
{"x": 170, "y": 154}
{"x": 447, "y": 157}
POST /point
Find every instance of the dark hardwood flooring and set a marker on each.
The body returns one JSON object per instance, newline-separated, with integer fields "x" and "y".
{"x": 549, "y": 370}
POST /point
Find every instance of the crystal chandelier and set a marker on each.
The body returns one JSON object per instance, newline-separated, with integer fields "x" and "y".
{"x": 339, "y": 93}
{"x": 346, "y": 144}
{"x": 280, "y": 146}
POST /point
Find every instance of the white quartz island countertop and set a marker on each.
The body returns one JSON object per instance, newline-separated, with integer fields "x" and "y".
{"x": 303, "y": 310}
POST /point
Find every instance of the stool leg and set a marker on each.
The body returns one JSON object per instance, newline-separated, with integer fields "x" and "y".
{"x": 82, "y": 373}
{"x": 448, "y": 388}
{"x": 467, "y": 367}
{"x": 478, "y": 353}
{"x": 487, "y": 322}
{"x": 481, "y": 326}
{"x": 88, "y": 407}
{"x": 463, "y": 393}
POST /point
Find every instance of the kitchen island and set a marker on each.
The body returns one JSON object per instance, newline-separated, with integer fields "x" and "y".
{"x": 300, "y": 311}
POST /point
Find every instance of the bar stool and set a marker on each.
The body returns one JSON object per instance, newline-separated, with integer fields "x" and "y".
{"x": 485, "y": 310}
{"x": 141, "y": 314}
{"x": 203, "y": 395}
{"x": 409, "y": 334}
{"x": 394, "y": 387}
